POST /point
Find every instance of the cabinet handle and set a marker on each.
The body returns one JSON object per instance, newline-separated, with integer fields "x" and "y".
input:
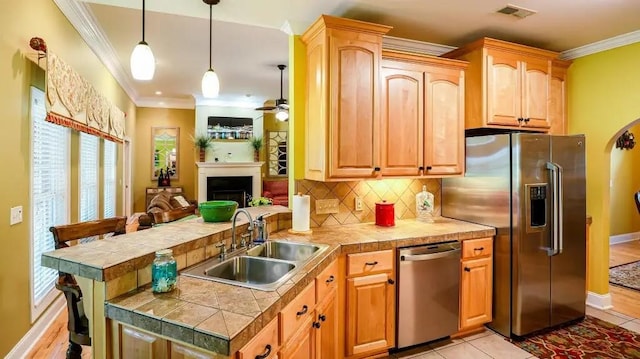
{"x": 429, "y": 167}
{"x": 330, "y": 279}
{"x": 421, "y": 168}
{"x": 266, "y": 353}
{"x": 376, "y": 169}
{"x": 371, "y": 263}
{"x": 303, "y": 311}
{"x": 526, "y": 120}
{"x": 391, "y": 281}
{"x": 467, "y": 269}
{"x": 479, "y": 249}
{"x": 520, "y": 119}
{"x": 316, "y": 325}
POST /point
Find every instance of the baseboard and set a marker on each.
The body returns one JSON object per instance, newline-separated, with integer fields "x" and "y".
{"x": 622, "y": 238}
{"x": 43, "y": 323}
{"x": 599, "y": 301}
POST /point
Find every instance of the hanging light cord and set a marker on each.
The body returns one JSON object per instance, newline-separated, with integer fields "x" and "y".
{"x": 143, "y": 21}
{"x": 210, "y": 33}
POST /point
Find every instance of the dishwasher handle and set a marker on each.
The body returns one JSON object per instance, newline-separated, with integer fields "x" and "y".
{"x": 424, "y": 257}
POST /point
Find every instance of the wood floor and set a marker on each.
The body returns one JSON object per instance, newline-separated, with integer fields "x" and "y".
{"x": 54, "y": 342}
{"x": 625, "y": 301}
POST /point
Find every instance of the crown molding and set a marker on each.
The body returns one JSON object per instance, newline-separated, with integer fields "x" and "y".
{"x": 603, "y": 45}
{"x": 80, "y": 16}
{"x": 166, "y": 102}
{"x": 419, "y": 47}
{"x": 201, "y": 101}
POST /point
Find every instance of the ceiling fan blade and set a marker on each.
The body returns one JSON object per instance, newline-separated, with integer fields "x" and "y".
{"x": 283, "y": 106}
{"x": 265, "y": 108}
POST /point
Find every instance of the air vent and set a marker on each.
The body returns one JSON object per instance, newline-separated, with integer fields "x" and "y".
{"x": 516, "y": 11}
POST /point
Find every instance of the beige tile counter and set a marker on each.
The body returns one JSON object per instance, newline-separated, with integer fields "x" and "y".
{"x": 214, "y": 316}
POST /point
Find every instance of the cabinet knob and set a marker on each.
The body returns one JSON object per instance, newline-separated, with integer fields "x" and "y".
{"x": 467, "y": 269}
{"x": 391, "y": 281}
{"x": 322, "y": 317}
{"x": 330, "y": 279}
{"x": 316, "y": 325}
{"x": 376, "y": 169}
{"x": 303, "y": 311}
{"x": 267, "y": 351}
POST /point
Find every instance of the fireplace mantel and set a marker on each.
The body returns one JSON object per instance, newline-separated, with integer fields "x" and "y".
{"x": 225, "y": 169}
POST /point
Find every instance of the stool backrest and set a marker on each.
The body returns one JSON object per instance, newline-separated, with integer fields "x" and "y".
{"x": 69, "y": 232}
{"x": 637, "y": 198}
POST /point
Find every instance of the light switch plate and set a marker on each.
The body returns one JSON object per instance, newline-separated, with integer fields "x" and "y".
{"x": 16, "y": 215}
{"x": 327, "y": 206}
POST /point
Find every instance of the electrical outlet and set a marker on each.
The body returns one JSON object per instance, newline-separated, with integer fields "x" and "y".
{"x": 327, "y": 206}
{"x": 16, "y": 215}
{"x": 358, "y": 204}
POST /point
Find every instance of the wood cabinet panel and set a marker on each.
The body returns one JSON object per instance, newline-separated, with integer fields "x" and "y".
{"x": 558, "y": 97}
{"x": 476, "y": 292}
{"x": 297, "y": 311}
{"x": 264, "y": 343}
{"x": 179, "y": 351}
{"x": 327, "y": 281}
{"x": 136, "y": 344}
{"x": 370, "y": 314}
{"x": 327, "y": 327}
{"x": 479, "y": 247}
{"x": 503, "y": 89}
{"x": 535, "y": 92}
{"x": 302, "y": 343}
{"x": 369, "y": 262}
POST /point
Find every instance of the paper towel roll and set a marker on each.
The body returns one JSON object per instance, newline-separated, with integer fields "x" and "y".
{"x": 301, "y": 210}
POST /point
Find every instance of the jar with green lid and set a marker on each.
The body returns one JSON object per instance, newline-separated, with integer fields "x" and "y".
{"x": 164, "y": 272}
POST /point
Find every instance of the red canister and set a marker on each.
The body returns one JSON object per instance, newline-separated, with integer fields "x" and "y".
{"x": 385, "y": 214}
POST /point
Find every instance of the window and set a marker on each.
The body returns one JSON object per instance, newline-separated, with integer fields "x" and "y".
{"x": 89, "y": 162}
{"x": 109, "y": 168}
{"x": 49, "y": 197}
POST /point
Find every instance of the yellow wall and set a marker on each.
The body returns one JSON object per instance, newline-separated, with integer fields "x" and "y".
{"x": 297, "y": 94}
{"x": 604, "y": 98}
{"x": 19, "y": 21}
{"x": 625, "y": 182}
{"x": 187, "y": 156}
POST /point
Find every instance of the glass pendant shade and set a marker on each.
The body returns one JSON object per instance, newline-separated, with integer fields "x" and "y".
{"x": 282, "y": 115}
{"x": 210, "y": 84}
{"x": 143, "y": 64}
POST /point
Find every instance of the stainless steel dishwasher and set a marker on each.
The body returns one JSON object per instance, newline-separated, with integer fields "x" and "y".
{"x": 428, "y": 292}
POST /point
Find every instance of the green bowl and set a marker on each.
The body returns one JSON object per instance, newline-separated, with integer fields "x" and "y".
{"x": 217, "y": 211}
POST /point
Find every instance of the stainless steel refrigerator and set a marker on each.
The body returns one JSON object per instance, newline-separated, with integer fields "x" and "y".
{"x": 531, "y": 187}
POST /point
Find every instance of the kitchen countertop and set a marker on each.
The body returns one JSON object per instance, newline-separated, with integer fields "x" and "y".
{"x": 219, "y": 317}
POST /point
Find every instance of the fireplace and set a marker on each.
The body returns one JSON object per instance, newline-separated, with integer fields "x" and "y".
{"x": 233, "y": 188}
{"x": 229, "y": 180}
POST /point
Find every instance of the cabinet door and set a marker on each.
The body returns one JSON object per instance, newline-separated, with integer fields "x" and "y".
{"x": 354, "y": 104}
{"x": 264, "y": 345}
{"x": 370, "y": 314}
{"x": 402, "y": 120}
{"x": 558, "y": 101}
{"x": 535, "y": 92}
{"x": 302, "y": 343}
{"x": 135, "y": 344}
{"x": 476, "y": 291}
{"x": 444, "y": 121}
{"x": 326, "y": 323}
{"x": 179, "y": 351}
{"x": 503, "y": 89}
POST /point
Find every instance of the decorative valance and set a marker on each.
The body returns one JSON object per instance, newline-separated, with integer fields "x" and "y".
{"x": 72, "y": 102}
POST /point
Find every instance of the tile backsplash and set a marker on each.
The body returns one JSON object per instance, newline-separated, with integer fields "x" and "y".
{"x": 402, "y": 192}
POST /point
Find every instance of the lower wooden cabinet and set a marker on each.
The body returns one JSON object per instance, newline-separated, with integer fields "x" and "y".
{"x": 264, "y": 345}
{"x": 476, "y": 288}
{"x": 370, "y": 313}
{"x": 302, "y": 344}
{"x": 179, "y": 351}
{"x": 326, "y": 324}
{"x": 136, "y": 344}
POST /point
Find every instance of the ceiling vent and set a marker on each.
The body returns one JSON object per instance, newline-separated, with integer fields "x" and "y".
{"x": 516, "y": 11}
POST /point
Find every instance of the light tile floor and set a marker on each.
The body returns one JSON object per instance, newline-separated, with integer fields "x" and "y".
{"x": 487, "y": 345}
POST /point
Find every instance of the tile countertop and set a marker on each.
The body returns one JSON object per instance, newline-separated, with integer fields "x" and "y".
{"x": 222, "y": 318}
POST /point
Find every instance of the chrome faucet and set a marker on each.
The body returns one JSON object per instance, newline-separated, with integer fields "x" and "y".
{"x": 261, "y": 226}
{"x": 234, "y": 246}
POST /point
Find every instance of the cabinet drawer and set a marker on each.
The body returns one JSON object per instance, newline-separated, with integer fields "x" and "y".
{"x": 327, "y": 280}
{"x": 369, "y": 262}
{"x": 265, "y": 341}
{"x": 480, "y": 247}
{"x": 297, "y": 311}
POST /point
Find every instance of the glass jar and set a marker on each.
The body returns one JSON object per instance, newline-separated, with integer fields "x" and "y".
{"x": 164, "y": 272}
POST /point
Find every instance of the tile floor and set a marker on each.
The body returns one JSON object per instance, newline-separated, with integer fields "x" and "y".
{"x": 488, "y": 344}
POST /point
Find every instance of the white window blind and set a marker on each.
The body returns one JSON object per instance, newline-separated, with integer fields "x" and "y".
{"x": 49, "y": 196}
{"x": 109, "y": 169}
{"x": 89, "y": 162}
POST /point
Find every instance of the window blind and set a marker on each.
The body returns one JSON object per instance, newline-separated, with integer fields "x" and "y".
{"x": 89, "y": 161}
{"x": 49, "y": 195}
{"x": 109, "y": 168}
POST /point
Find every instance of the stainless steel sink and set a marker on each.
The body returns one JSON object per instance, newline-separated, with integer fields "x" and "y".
{"x": 251, "y": 272}
{"x": 285, "y": 250}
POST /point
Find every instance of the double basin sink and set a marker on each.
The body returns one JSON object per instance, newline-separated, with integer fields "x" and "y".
{"x": 265, "y": 266}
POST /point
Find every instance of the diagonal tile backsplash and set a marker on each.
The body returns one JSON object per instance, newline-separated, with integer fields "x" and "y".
{"x": 402, "y": 192}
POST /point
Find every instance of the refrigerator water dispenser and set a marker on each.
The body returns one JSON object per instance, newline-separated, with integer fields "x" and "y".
{"x": 536, "y": 207}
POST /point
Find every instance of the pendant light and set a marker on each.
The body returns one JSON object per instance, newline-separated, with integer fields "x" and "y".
{"x": 210, "y": 82}
{"x": 143, "y": 65}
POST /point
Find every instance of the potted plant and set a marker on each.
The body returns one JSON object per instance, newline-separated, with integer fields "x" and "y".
{"x": 202, "y": 142}
{"x": 256, "y": 143}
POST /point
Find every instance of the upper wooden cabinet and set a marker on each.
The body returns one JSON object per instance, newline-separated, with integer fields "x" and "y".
{"x": 509, "y": 86}
{"x": 422, "y": 120}
{"x": 343, "y": 116}
{"x": 558, "y": 97}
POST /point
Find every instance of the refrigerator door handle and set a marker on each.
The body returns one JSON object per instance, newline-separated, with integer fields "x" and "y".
{"x": 557, "y": 215}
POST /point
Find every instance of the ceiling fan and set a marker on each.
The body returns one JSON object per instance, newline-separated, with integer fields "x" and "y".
{"x": 281, "y": 107}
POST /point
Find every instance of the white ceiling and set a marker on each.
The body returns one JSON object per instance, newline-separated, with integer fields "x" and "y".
{"x": 250, "y": 36}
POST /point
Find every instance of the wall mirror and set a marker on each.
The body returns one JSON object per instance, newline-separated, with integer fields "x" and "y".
{"x": 277, "y": 153}
{"x": 165, "y": 144}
